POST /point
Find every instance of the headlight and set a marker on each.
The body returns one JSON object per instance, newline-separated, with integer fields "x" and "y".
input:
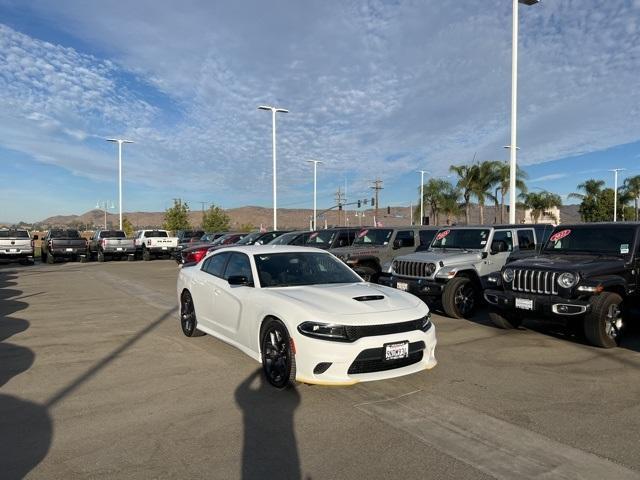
{"x": 325, "y": 331}
{"x": 386, "y": 267}
{"x": 507, "y": 275}
{"x": 425, "y": 322}
{"x": 567, "y": 280}
{"x": 431, "y": 267}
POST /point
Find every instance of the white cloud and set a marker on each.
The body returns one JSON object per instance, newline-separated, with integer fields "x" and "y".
{"x": 546, "y": 178}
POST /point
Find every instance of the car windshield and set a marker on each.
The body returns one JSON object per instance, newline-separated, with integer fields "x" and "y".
{"x": 302, "y": 268}
{"x": 155, "y": 234}
{"x": 70, "y": 234}
{"x": 373, "y": 236}
{"x": 321, "y": 238}
{"x": 462, "y": 238}
{"x": 14, "y": 234}
{"x": 112, "y": 234}
{"x": 284, "y": 239}
{"x": 250, "y": 239}
{"x": 189, "y": 235}
{"x": 612, "y": 240}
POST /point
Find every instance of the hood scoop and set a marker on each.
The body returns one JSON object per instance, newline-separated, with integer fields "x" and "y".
{"x": 368, "y": 298}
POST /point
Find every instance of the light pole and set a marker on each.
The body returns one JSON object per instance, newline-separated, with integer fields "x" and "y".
{"x": 514, "y": 107}
{"x": 315, "y": 177}
{"x": 274, "y": 110}
{"x": 422, "y": 172}
{"x": 615, "y": 192}
{"x": 119, "y": 141}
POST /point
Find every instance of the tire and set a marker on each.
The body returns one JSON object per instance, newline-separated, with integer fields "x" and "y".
{"x": 460, "y": 298}
{"x": 603, "y": 323}
{"x": 50, "y": 259}
{"x": 43, "y": 257}
{"x": 368, "y": 274}
{"x": 100, "y": 256}
{"x": 146, "y": 255}
{"x": 88, "y": 255}
{"x": 188, "y": 320}
{"x": 507, "y": 321}
{"x": 278, "y": 360}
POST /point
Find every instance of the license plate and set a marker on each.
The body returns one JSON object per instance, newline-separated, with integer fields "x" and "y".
{"x": 118, "y": 249}
{"x": 13, "y": 250}
{"x": 524, "y": 304}
{"x": 402, "y": 286}
{"x": 164, "y": 248}
{"x": 69, "y": 249}
{"x": 395, "y": 351}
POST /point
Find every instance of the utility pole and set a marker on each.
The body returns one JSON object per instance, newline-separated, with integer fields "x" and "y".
{"x": 615, "y": 192}
{"x": 377, "y": 186}
{"x": 339, "y": 202}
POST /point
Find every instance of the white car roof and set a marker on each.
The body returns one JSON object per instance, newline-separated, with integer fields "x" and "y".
{"x": 263, "y": 249}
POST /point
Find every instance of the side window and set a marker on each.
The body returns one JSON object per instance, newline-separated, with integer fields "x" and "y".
{"x": 426, "y": 237}
{"x": 215, "y": 264}
{"x": 343, "y": 239}
{"x": 543, "y": 233}
{"x": 526, "y": 240}
{"x": 239, "y": 264}
{"x": 504, "y": 236}
{"x": 407, "y": 238}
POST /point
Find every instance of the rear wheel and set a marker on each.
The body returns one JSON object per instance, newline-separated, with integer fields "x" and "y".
{"x": 146, "y": 255}
{"x": 506, "y": 320}
{"x": 460, "y": 298}
{"x": 278, "y": 360}
{"x": 188, "y": 320}
{"x": 50, "y": 259}
{"x": 603, "y": 323}
{"x": 368, "y": 274}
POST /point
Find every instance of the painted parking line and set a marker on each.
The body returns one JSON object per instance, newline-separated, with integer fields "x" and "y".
{"x": 493, "y": 446}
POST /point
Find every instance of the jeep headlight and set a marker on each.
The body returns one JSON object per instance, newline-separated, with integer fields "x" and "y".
{"x": 507, "y": 275}
{"x": 386, "y": 267}
{"x": 431, "y": 267}
{"x": 567, "y": 280}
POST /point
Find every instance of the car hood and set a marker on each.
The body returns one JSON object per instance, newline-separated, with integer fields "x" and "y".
{"x": 447, "y": 257}
{"x": 583, "y": 264}
{"x": 341, "y": 298}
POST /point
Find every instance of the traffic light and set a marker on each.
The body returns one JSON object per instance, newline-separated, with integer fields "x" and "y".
{"x": 359, "y": 203}
{"x": 388, "y": 210}
{"x": 340, "y": 207}
{"x": 373, "y": 202}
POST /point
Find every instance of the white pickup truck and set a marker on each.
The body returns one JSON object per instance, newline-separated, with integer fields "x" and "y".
{"x": 16, "y": 244}
{"x": 154, "y": 243}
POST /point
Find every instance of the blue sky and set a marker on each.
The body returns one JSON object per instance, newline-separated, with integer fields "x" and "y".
{"x": 374, "y": 89}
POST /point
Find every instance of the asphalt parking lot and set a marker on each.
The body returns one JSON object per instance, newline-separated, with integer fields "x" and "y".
{"x": 97, "y": 381}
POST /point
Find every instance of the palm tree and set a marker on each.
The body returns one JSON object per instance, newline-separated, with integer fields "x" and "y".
{"x": 591, "y": 188}
{"x": 590, "y": 199}
{"x": 466, "y": 181}
{"x": 632, "y": 188}
{"x": 487, "y": 175}
{"x": 433, "y": 192}
{"x": 450, "y": 205}
{"x": 504, "y": 173}
{"x": 541, "y": 204}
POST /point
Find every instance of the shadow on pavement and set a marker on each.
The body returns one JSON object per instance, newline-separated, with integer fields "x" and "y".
{"x": 269, "y": 446}
{"x": 26, "y": 428}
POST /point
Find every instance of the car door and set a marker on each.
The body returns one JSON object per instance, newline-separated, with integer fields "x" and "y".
{"x": 496, "y": 260}
{"x": 526, "y": 244}
{"x": 231, "y": 298}
{"x": 206, "y": 283}
{"x": 407, "y": 242}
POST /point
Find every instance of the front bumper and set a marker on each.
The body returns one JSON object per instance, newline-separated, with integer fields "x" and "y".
{"x": 364, "y": 355}
{"x": 419, "y": 287}
{"x": 541, "y": 305}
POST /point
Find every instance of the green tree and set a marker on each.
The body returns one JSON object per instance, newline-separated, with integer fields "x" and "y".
{"x": 246, "y": 227}
{"x": 177, "y": 217}
{"x": 466, "y": 181}
{"x": 215, "y": 219}
{"x": 541, "y": 204}
{"x": 487, "y": 174}
{"x": 450, "y": 205}
{"x": 632, "y": 189}
{"x": 128, "y": 227}
{"x": 504, "y": 182}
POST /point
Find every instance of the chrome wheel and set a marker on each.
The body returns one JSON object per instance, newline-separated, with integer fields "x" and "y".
{"x": 613, "y": 321}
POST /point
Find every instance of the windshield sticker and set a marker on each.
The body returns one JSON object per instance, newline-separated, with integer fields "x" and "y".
{"x": 313, "y": 235}
{"x": 624, "y": 248}
{"x": 442, "y": 234}
{"x": 363, "y": 233}
{"x": 483, "y": 242}
{"x": 560, "y": 235}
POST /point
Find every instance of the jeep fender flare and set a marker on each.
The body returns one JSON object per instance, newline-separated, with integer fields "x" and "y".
{"x": 610, "y": 283}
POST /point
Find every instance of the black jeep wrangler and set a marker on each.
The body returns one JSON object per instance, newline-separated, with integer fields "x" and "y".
{"x": 588, "y": 272}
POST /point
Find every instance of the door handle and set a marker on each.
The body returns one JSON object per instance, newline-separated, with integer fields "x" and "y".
{"x": 216, "y": 291}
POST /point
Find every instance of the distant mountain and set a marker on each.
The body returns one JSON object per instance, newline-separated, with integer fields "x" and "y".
{"x": 287, "y": 218}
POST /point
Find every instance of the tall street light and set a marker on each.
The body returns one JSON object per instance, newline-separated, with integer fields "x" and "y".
{"x": 315, "y": 169}
{"x": 514, "y": 107}
{"x": 119, "y": 141}
{"x": 274, "y": 110}
{"x": 422, "y": 172}
{"x": 615, "y": 192}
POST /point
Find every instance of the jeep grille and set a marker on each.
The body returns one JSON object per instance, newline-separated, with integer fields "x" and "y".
{"x": 413, "y": 269}
{"x": 535, "y": 281}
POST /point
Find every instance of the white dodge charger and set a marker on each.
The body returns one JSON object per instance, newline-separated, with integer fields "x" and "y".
{"x": 305, "y": 316}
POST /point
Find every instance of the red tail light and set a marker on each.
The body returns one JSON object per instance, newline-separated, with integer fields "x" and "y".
{"x": 196, "y": 256}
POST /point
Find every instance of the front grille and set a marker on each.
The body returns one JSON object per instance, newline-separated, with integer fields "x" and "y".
{"x": 372, "y": 360}
{"x": 407, "y": 268}
{"x": 535, "y": 281}
{"x": 355, "y": 332}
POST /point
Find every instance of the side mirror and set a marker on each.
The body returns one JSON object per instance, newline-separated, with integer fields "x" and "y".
{"x": 239, "y": 280}
{"x": 498, "y": 246}
{"x": 398, "y": 243}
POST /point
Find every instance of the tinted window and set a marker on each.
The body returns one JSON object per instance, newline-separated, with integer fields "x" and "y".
{"x": 504, "y": 236}
{"x": 321, "y": 238}
{"x": 407, "y": 237}
{"x": 302, "y": 268}
{"x": 214, "y": 265}
{"x": 14, "y": 234}
{"x": 343, "y": 240}
{"x": 267, "y": 237}
{"x": 611, "y": 240}
{"x": 526, "y": 240}
{"x": 472, "y": 238}
{"x": 155, "y": 233}
{"x": 64, "y": 234}
{"x": 238, "y": 265}
{"x": 543, "y": 233}
{"x": 286, "y": 239}
{"x": 426, "y": 237}
{"x": 373, "y": 236}
{"x": 112, "y": 234}
{"x": 250, "y": 239}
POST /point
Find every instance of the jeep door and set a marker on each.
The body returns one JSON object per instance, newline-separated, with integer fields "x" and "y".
{"x": 500, "y": 247}
{"x": 403, "y": 243}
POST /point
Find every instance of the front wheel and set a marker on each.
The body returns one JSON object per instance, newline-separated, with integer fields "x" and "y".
{"x": 460, "y": 298}
{"x": 278, "y": 360}
{"x": 603, "y": 323}
{"x": 368, "y": 274}
{"x": 188, "y": 320}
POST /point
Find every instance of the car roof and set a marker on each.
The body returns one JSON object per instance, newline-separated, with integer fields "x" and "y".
{"x": 506, "y": 225}
{"x": 264, "y": 249}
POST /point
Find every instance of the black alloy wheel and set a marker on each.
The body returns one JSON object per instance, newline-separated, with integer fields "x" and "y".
{"x": 460, "y": 298}
{"x": 188, "y": 319}
{"x": 278, "y": 362}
